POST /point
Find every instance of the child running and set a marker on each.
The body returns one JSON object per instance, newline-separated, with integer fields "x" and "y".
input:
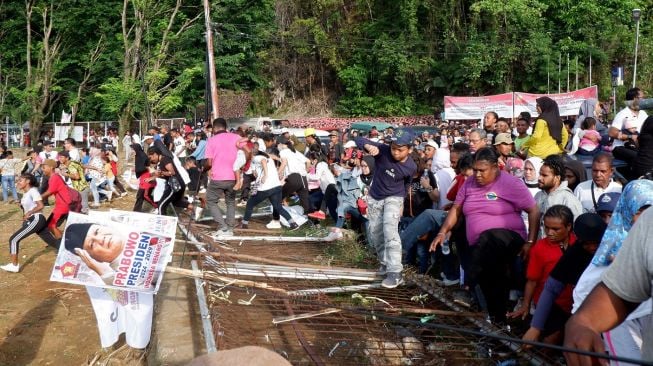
{"x": 33, "y": 219}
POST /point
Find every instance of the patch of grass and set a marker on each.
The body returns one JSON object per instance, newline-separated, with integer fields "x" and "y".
{"x": 349, "y": 251}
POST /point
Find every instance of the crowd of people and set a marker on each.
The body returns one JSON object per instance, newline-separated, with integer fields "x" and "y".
{"x": 506, "y": 210}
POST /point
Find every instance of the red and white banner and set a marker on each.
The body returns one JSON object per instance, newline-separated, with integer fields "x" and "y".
{"x": 510, "y": 105}
{"x": 466, "y": 108}
{"x": 568, "y": 103}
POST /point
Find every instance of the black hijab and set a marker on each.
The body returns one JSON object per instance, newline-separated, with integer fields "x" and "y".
{"x": 367, "y": 179}
{"x": 551, "y": 115}
{"x": 579, "y": 171}
{"x": 141, "y": 160}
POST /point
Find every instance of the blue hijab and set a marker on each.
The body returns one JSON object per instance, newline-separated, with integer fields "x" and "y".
{"x": 635, "y": 195}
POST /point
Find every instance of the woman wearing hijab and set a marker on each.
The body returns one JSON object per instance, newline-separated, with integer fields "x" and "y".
{"x": 444, "y": 175}
{"x": 549, "y": 135}
{"x": 644, "y": 162}
{"x": 531, "y": 174}
{"x": 626, "y": 339}
{"x": 367, "y": 170}
{"x": 167, "y": 168}
{"x": 592, "y": 108}
{"x": 575, "y": 173}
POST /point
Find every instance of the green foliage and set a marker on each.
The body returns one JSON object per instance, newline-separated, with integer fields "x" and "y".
{"x": 361, "y": 57}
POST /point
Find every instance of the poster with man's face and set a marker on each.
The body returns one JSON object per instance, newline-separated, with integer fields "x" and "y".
{"x": 116, "y": 249}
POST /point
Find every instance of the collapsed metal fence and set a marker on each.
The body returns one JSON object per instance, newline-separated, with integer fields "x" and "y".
{"x": 315, "y": 305}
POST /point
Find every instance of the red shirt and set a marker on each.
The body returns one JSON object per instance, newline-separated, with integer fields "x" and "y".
{"x": 541, "y": 259}
{"x": 59, "y": 190}
{"x": 458, "y": 181}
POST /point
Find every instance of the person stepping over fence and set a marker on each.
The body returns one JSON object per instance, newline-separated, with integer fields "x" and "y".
{"x": 394, "y": 171}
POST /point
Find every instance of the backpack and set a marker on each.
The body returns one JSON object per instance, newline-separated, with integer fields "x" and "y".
{"x": 75, "y": 204}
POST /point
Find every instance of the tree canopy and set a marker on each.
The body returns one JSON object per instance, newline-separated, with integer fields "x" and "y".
{"x": 120, "y": 60}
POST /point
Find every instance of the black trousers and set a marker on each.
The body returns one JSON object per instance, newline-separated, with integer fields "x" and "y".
{"x": 141, "y": 196}
{"x": 297, "y": 183}
{"x": 491, "y": 267}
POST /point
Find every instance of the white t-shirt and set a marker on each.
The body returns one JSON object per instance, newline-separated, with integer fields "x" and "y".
{"x": 180, "y": 146}
{"x": 620, "y": 120}
{"x": 29, "y": 199}
{"x": 272, "y": 178}
{"x": 48, "y": 155}
{"x": 584, "y": 193}
{"x": 74, "y": 154}
{"x": 296, "y": 162}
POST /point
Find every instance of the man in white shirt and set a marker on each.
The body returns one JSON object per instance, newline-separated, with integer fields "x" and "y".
{"x": 48, "y": 152}
{"x": 179, "y": 143}
{"x": 69, "y": 145}
{"x": 632, "y": 114}
{"x": 589, "y": 191}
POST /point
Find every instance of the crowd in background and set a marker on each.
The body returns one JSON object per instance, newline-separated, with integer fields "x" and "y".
{"x": 512, "y": 213}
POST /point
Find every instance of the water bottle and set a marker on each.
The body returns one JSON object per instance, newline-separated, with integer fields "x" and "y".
{"x": 425, "y": 175}
{"x": 446, "y": 249}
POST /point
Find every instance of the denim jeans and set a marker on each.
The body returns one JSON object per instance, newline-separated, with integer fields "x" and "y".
{"x": 94, "y": 185}
{"x": 383, "y": 231}
{"x": 428, "y": 222}
{"x": 213, "y": 193}
{"x": 274, "y": 195}
{"x": 9, "y": 181}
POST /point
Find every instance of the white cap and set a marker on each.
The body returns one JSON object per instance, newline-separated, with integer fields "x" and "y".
{"x": 349, "y": 144}
{"x": 284, "y": 130}
{"x": 432, "y": 143}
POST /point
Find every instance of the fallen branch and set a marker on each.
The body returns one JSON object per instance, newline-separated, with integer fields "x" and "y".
{"x": 274, "y": 262}
{"x": 283, "y": 319}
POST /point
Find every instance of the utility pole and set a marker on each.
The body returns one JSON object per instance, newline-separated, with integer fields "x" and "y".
{"x": 567, "y": 72}
{"x": 559, "y": 70}
{"x": 211, "y": 62}
{"x": 590, "y": 83}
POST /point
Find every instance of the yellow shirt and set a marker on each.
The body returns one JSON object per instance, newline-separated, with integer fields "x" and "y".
{"x": 541, "y": 144}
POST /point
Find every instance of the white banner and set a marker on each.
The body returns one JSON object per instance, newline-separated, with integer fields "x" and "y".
{"x": 118, "y": 312}
{"x": 61, "y": 133}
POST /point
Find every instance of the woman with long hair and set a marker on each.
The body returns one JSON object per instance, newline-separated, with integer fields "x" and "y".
{"x": 549, "y": 135}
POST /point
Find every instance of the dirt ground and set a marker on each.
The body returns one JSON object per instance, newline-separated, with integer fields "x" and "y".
{"x": 43, "y": 322}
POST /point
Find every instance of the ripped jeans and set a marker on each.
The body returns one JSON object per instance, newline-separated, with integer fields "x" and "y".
{"x": 383, "y": 230}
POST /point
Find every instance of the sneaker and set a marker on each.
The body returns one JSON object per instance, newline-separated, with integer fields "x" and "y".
{"x": 392, "y": 280}
{"x": 154, "y": 211}
{"x": 274, "y": 224}
{"x": 293, "y": 226}
{"x": 222, "y": 233}
{"x": 447, "y": 282}
{"x": 10, "y": 267}
{"x": 243, "y": 226}
{"x": 318, "y": 215}
{"x": 203, "y": 190}
{"x": 94, "y": 205}
{"x": 241, "y": 203}
{"x": 123, "y": 194}
{"x": 198, "y": 213}
{"x": 382, "y": 271}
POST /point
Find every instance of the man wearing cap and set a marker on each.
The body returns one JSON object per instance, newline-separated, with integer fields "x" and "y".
{"x": 220, "y": 155}
{"x": 96, "y": 244}
{"x": 57, "y": 188}
{"x": 554, "y": 190}
{"x": 393, "y": 172}
{"x": 503, "y": 144}
{"x": 607, "y": 204}
{"x": 75, "y": 172}
{"x": 313, "y": 142}
{"x": 335, "y": 148}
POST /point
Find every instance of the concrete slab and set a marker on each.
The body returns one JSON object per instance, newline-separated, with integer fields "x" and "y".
{"x": 177, "y": 334}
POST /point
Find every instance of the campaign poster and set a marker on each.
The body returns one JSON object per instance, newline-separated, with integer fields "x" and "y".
{"x": 118, "y": 249}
